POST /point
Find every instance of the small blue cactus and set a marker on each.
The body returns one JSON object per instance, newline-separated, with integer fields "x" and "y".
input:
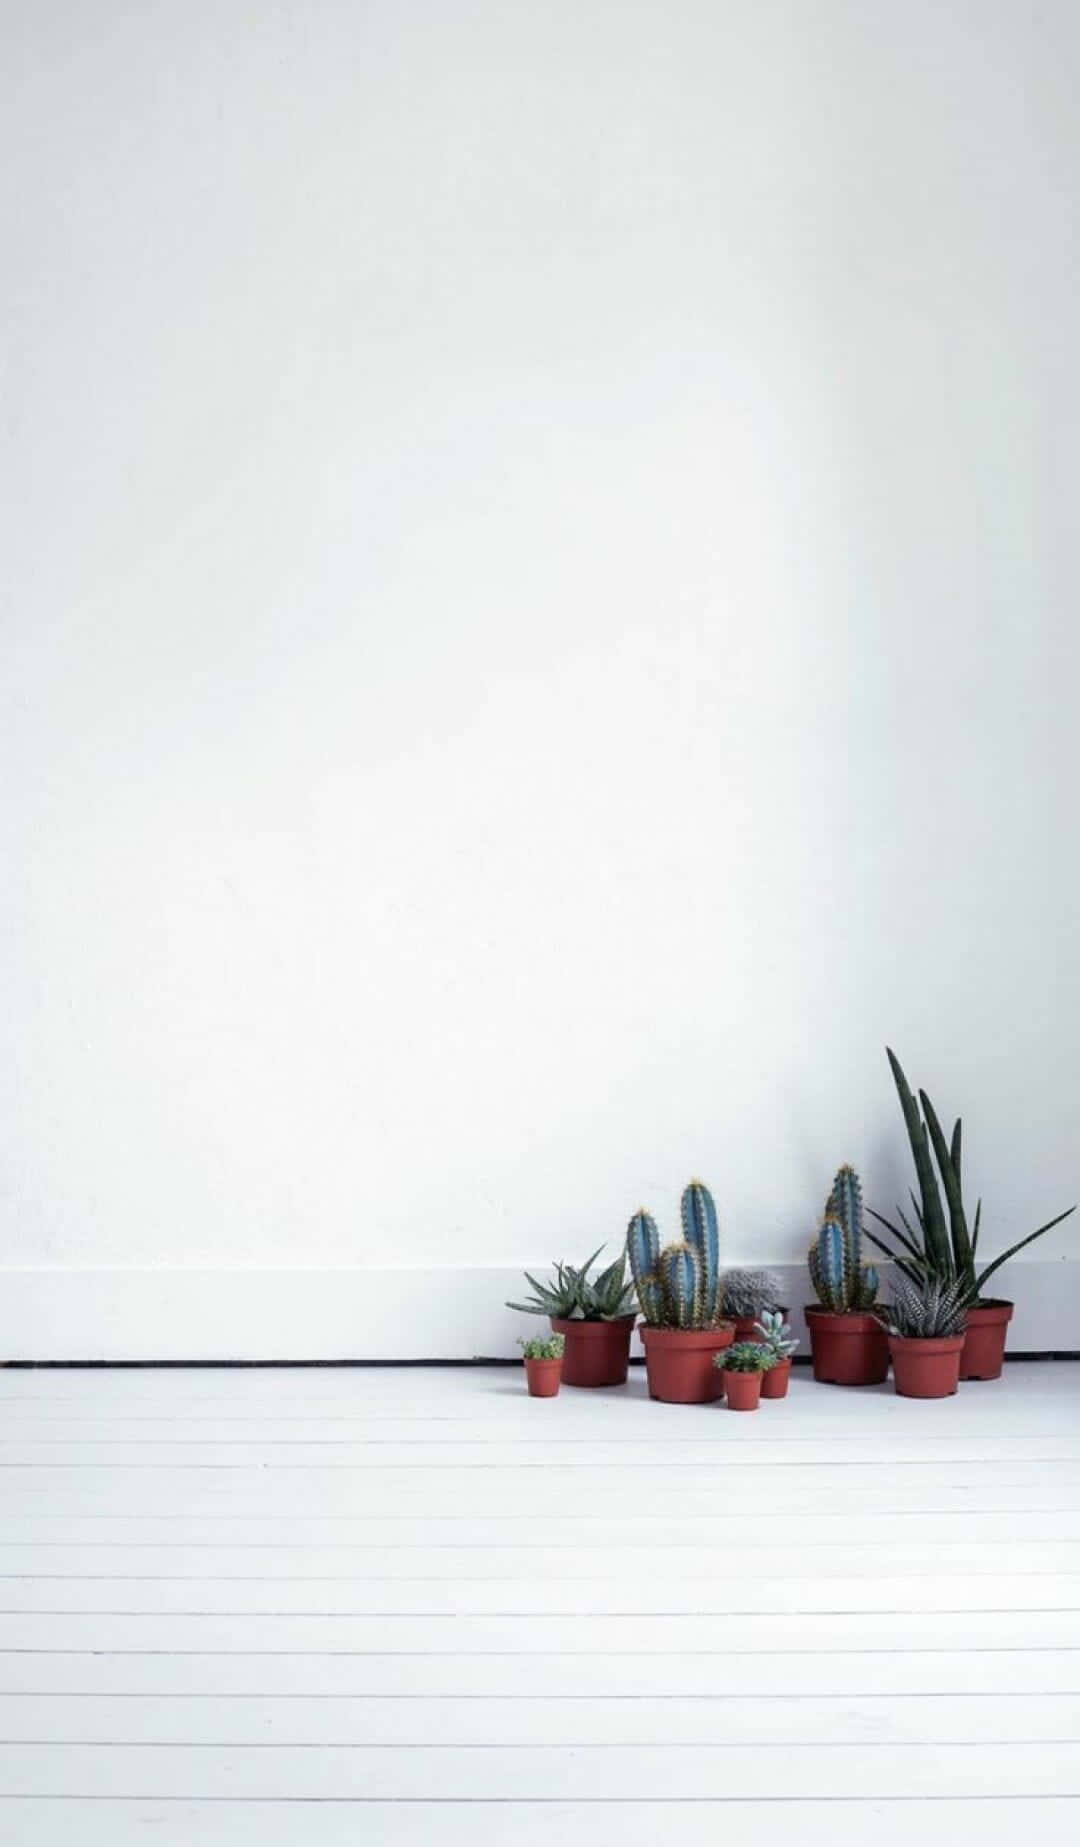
{"x": 679, "y": 1286}
{"x": 842, "y": 1282}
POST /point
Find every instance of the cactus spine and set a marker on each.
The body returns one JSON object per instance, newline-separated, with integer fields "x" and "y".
{"x": 679, "y": 1286}
{"x": 842, "y": 1281}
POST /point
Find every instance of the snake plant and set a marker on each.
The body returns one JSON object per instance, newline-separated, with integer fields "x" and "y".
{"x": 934, "y": 1246}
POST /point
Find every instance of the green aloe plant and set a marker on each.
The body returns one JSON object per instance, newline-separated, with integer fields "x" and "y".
{"x": 945, "y": 1248}
{"x": 572, "y": 1295}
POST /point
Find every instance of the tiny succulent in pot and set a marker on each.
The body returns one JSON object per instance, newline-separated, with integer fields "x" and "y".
{"x": 745, "y": 1356}
{"x": 929, "y": 1309}
{"x": 541, "y": 1347}
{"x": 571, "y": 1295}
{"x": 747, "y": 1292}
{"x": 776, "y": 1336}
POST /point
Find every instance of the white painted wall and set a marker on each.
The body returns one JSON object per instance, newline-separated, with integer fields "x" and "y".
{"x": 540, "y": 581}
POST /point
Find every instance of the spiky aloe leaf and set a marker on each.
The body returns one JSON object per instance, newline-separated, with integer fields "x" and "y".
{"x": 701, "y": 1231}
{"x": 680, "y": 1275}
{"x": 937, "y": 1238}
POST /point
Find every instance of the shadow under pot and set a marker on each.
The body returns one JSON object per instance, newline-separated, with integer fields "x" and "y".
{"x": 984, "y": 1341}
{"x": 596, "y": 1352}
{"x": 679, "y": 1362}
{"x": 926, "y": 1368}
{"x": 850, "y": 1349}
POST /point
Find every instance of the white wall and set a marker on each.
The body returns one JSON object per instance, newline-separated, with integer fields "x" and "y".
{"x": 540, "y": 584}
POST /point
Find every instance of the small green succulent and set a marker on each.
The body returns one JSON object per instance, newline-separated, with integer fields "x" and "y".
{"x": 538, "y": 1348}
{"x": 571, "y": 1295}
{"x": 776, "y": 1334}
{"x": 746, "y": 1356}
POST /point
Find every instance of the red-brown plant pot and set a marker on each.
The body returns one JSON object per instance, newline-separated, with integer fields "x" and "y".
{"x": 596, "y": 1352}
{"x": 984, "y": 1341}
{"x": 774, "y": 1383}
{"x": 742, "y": 1389}
{"x": 679, "y": 1362}
{"x": 542, "y": 1378}
{"x": 850, "y": 1349}
{"x": 926, "y": 1368}
{"x": 746, "y": 1325}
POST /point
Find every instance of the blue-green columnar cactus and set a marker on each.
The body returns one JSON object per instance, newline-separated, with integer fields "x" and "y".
{"x": 679, "y": 1286}
{"x": 842, "y": 1282}
{"x": 702, "y": 1232}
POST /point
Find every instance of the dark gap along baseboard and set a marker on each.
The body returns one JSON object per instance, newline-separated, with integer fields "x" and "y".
{"x": 255, "y": 1365}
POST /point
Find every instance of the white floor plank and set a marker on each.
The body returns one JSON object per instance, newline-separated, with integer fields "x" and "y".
{"x": 569, "y": 1676}
{"x": 528, "y": 1720}
{"x": 838, "y": 1823}
{"x": 658, "y": 1593}
{"x": 414, "y": 1607}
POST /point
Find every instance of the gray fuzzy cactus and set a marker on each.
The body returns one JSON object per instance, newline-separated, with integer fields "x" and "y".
{"x": 842, "y": 1282}
{"x": 679, "y": 1286}
{"x": 747, "y": 1293}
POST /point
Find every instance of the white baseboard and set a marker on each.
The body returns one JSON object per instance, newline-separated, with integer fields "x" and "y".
{"x": 362, "y": 1314}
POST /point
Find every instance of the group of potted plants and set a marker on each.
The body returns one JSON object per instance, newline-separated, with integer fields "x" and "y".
{"x": 708, "y": 1335}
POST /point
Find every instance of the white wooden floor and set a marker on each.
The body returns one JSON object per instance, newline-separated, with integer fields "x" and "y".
{"x": 416, "y": 1607}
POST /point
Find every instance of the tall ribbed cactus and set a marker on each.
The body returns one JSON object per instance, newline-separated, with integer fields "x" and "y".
{"x": 841, "y": 1280}
{"x": 679, "y": 1286}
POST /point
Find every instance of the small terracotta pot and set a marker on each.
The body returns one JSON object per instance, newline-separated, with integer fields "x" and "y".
{"x": 774, "y": 1383}
{"x": 597, "y": 1352}
{"x": 742, "y": 1389}
{"x": 745, "y": 1325}
{"x": 926, "y": 1368}
{"x": 679, "y": 1364}
{"x": 984, "y": 1341}
{"x": 542, "y": 1378}
{"x": 848, "y": 1349}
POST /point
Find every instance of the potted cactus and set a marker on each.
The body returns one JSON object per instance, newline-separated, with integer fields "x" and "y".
{"x": 775, "y": 1336}
{"x": 543, "y": 1364}
{"x": 748, "y": 1294}
{"x": 594, "y": 1315}
{"x": 743, "y": 1368}
{"x": 948, "y": 1251}
{"x": 679, "y": 1292}
{"x": 847, "y": 1342}
{"x": 925, "y": 1322}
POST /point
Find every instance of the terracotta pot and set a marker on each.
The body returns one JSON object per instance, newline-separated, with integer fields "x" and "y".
{"x": 774, "y": 1383}
{"x": 984, "y": 1342}
{"x": 744, "y": 1325}
{"x": 848, "y": 1349}
{"x": 597, "y": 1352}
{"x": 743, "y": 1389}
{"x": 679, "y": 1363}
{"x": 926, "y": 1368}
{"x": 542, "y": 1377}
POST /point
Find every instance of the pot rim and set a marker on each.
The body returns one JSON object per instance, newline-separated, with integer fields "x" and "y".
{"x": 846, "y": 1317}
{"x": 722, "y": 1335}
{"x": 563, "y": 1324}
{"x": 995, "y": 1308}
{"x": 930, "y": 1346}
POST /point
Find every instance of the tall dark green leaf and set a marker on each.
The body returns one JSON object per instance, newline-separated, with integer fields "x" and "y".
{"x": 939, "y": 1254}
{"x": 961, "y": 1243}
